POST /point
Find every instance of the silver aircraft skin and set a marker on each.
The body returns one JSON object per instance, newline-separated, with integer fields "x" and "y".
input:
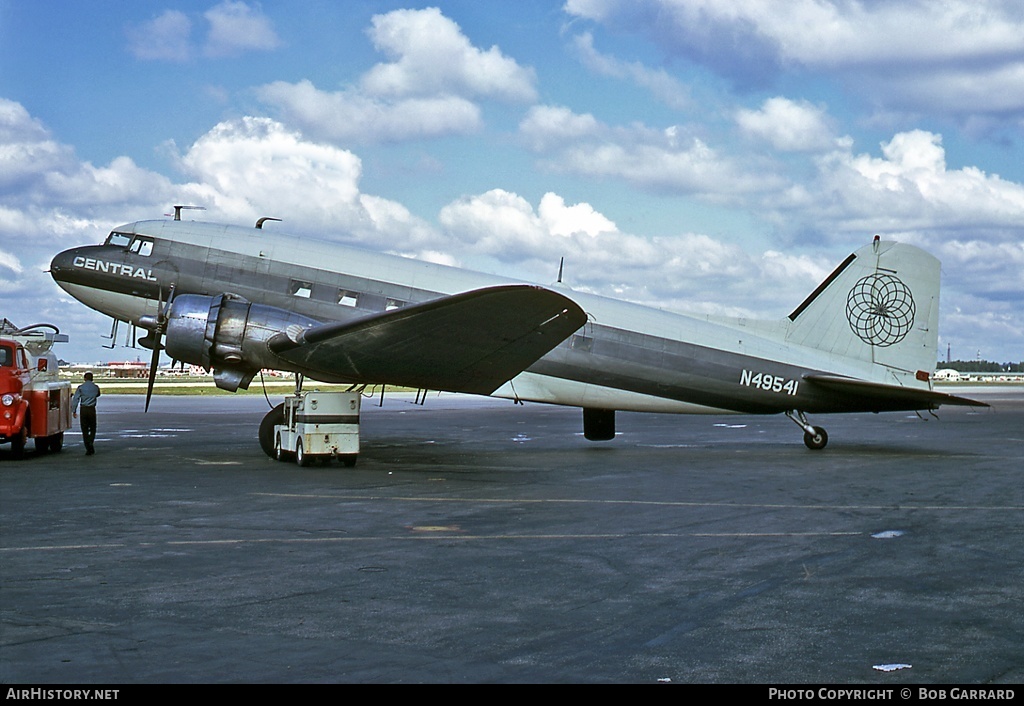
{"x": 237, "y": 300}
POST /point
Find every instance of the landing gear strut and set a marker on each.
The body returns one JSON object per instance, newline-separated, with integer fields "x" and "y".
{"x": 814, "y": 437}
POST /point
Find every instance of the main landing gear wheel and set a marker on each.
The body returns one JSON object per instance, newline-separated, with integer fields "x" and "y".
{"x": 267, "y": 433}
{"x": 817, "y": 440}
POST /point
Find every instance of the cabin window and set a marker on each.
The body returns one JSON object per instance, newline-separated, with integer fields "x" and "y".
{"x": 6, "y": 357}
{"x": 393, "y": 304}
{"x": 348, "y": 298}
{"x": 119, "y": 239}
{"x": 299, "y": 288}
{"x": 142, "y": 246}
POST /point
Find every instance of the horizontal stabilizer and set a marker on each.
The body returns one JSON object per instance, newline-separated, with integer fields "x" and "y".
{"x": 890, "y": 397}
{"x": 470, "y": 342}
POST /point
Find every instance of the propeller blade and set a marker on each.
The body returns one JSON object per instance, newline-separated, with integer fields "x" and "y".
{"x": 152, "y": 372}
{"x": 158, "y": 334}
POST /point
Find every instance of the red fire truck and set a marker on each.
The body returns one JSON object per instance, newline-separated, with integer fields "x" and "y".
{"x": 34, "y": 402}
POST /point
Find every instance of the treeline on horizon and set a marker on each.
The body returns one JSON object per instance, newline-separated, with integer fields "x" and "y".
{"x": 961, "y": 366}
{"x": 982, "y": 366}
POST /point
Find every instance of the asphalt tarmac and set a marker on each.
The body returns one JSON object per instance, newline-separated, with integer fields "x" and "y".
{"x": 479, "y": 541}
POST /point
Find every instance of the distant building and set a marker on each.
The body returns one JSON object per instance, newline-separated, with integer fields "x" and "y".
{"x": 951, "y": 375}
{"x": 124, "y": 369}
{"x": 138, "y": 369}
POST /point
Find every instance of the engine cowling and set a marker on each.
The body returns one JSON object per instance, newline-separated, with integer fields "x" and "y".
{"x": 227, "y": 334}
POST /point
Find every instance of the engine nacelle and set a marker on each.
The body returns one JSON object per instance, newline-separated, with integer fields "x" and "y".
{"x": 228, "y": 334}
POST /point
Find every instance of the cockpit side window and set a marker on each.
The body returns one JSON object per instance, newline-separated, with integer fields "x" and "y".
{"x": 120, "y": 239}
{"x": 142, "y": 246}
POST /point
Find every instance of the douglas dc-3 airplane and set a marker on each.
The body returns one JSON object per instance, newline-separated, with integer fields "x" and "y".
{"x": 237, "y": 300}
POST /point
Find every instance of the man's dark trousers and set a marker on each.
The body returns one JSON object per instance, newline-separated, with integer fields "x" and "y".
{"x": 88, "y": 418}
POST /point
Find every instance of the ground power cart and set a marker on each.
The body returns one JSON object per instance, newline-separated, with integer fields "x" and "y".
{"x": 319, "y": 426}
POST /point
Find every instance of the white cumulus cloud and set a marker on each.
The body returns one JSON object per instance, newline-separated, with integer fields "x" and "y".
{"x": 166, "y": 37}
{"x": 432, "y": 55}
{"x": 351, "y": 116}
{"x": 958, "y": 57}
{"x": 236, "y": 28}
{"x": 789, "y": 126}
{"x": 430, "y": 89}
{"x": 659, "y": 82}
{"x": 669, "y": 160}
{"x": 232, "y": 28}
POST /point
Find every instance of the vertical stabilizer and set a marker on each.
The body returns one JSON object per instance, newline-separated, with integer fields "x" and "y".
{"x": 881, "y": 305}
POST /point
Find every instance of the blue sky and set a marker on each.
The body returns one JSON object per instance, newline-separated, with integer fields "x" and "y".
{"x": 699, "y": 155}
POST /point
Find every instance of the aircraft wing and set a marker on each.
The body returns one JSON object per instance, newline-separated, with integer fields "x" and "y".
{"x": 890, "y": 397}
{"x": 469, "y": 342}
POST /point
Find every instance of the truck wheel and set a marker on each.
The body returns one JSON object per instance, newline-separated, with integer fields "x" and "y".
{"x": 349, "y": 460}
{"x": 300, "y": 456}
{"x": 18, "y": 443}
{"x": 57, "y": 442}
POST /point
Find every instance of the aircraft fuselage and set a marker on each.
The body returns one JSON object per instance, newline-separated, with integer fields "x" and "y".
{"x": 626, "y": 357}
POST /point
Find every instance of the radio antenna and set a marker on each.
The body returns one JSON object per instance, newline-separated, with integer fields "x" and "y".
{"x": 177, "y": 211}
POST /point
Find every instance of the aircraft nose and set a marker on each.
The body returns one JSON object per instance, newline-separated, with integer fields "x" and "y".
{"x": 62, "y": 264}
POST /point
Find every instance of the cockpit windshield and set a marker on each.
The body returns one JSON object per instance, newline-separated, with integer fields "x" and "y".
{"x": 120, "y": 239}
{"x": 138, "y": 245}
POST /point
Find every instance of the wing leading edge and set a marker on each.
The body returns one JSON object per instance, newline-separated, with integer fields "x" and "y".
{"x": 469, "y": 342}
{"x": 890, "y": 397}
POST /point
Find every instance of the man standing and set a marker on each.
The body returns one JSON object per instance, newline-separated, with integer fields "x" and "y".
{"x": 87, "y": 394}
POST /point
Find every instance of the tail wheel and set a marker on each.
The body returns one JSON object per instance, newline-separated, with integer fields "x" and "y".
{"x": 817, "y": 440}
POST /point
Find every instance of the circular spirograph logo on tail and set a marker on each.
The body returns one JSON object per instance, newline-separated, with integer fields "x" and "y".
{"x": 880, "y": 309}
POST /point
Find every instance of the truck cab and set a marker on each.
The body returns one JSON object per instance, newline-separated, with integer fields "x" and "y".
{"x": 34, "y": 402}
